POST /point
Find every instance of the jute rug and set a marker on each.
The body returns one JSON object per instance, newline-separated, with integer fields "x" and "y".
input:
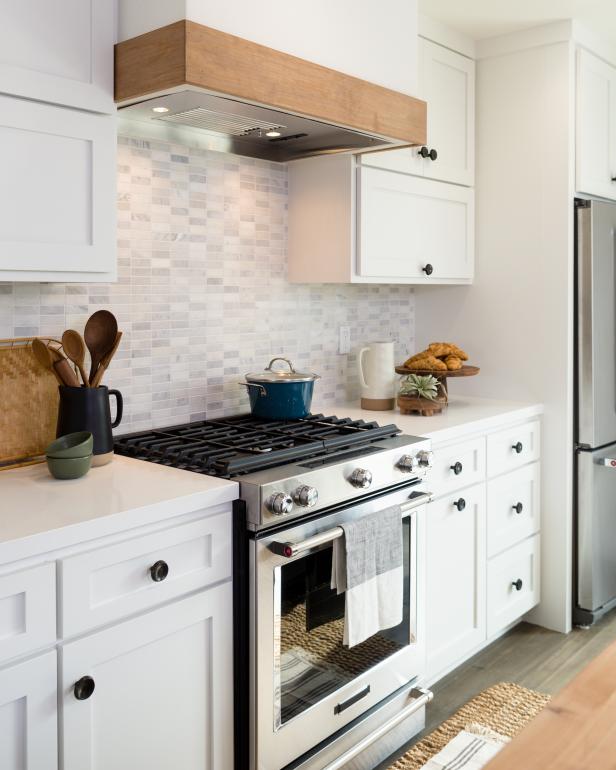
{"x": 505, "y": 708}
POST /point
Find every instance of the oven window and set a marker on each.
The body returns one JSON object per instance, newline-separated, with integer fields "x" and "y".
{"x": 311, "y": 661}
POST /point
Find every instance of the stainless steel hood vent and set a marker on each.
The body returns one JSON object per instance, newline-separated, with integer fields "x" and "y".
{"x": 218, "y": 122}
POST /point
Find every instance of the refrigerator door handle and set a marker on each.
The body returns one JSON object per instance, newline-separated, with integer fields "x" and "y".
{"x": 609, "y": 462}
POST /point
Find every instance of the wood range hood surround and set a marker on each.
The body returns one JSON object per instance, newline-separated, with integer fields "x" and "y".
{"x": 332, "y": 110}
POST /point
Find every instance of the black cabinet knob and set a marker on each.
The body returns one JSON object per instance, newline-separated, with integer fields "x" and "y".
{"x": 518, "y": 447}
{"x": 517, "y": 584}
{"x": 518, "y": 507}
{"x": 433, "y": 154}
{"x": 457, "y": 468}
{"x": 84, "y": 687}
{"x": 424, "y": 152}
{"x": 460, "y": 504}
{"x": 159, "y": 571}
{"x": 428, "y": 269}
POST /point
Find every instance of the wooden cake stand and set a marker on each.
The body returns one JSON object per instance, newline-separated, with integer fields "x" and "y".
{"x": 423, "y": 406}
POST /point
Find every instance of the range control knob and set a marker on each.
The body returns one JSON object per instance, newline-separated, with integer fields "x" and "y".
{"x": 408, "y": 463}
{"x": 425, "y": 458}
{"x": 306, "y": 496}
{"x": 361, "y": 478}
{"x": 279, "y": 503}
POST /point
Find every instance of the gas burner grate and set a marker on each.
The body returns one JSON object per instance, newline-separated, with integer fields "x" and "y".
{"x": 238, "y": 445}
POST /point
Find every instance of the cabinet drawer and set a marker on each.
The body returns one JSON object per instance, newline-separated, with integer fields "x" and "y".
{"x": 513, "y": 447}
{"x": 513, "y": 508}
{"x": 513, "y": 584}
{"x": 27, "y": 610}
{"x": 101, "y": 586}
{"x": 458, "y": 465}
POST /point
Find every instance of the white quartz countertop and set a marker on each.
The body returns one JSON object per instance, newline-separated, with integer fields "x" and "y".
{"x": 459, "y": 418}
{"x": 39, "y": 513}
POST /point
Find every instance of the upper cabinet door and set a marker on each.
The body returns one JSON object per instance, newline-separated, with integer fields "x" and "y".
{"x": 596, "y": 127}
{"x": 448, "y": 85}
{"x": 59, "y": 52}
{"x": 413, "y": 228}
{"x": 57, "y": 193}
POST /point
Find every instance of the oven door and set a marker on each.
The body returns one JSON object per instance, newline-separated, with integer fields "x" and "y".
{"x": 306, "y": 684}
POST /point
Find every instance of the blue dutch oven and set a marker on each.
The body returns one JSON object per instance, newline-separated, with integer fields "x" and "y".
{"x": 280, "y": 395}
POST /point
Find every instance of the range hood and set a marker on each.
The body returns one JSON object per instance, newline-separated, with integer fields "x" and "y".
{"x": 255, "y": 101}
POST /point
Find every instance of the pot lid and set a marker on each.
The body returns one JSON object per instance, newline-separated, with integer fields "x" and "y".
{"x": 281, "y": 375}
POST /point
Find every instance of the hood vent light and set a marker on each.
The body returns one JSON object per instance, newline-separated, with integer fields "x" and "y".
{"x": 219, "y": 122}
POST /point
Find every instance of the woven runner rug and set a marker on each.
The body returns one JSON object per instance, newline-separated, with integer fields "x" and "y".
{"x": 504, "y": 708}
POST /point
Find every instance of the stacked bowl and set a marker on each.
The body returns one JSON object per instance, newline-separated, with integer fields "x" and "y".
{"x": 70, "y": 456}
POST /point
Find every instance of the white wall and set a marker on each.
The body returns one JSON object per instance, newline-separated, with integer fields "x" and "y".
{"x": 376, "y": 43}
{"x": 516, "y": 320}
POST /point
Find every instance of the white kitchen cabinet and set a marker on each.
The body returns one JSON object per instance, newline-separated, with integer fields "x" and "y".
{"x": 57, "y": 193}
{"x": 28, "y": 718}
{"x": 352, "y": 223}
{"x": 455, "y": 576}
{"x": 59, "y": 52}
{"x": 447, "y": 84}
{"x": 414, "y": 228}
{"x": 513, "y": 584}
{"x": 596, "y": 126}
{"x": 163, "y": 690}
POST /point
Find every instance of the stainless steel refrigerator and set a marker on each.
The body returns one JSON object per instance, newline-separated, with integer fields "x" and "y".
{"x": 595, "y": 423}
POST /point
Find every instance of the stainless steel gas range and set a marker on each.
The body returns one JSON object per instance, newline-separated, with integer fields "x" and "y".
{"x": 305, "y": 701}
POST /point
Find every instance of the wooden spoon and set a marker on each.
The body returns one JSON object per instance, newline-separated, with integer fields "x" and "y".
{"x": 75, "y": 349}
{"x": 105, "y": 361}
{"x": 54, "y": 361}
{"x": 100, "y": 336}
{"x": 44, "y": 357}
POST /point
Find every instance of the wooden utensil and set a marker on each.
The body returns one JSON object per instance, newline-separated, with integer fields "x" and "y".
{"x": 100, "y": 336}
{"x": 75, "y": 349}
{"x": 45, "y": 358}
{"x": 105, "y": 361}
{"x": 63, "y": 368}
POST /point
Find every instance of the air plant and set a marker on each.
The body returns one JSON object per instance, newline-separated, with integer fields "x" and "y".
{"x": 420, "y": 386}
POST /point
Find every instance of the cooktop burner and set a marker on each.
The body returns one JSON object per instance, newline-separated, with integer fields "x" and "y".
{"x": 235, "y": 446}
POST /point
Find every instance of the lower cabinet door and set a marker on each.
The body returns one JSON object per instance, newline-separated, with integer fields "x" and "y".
{"x": 154, "y": 692}
{"x": 28, "y": 715}
{"x": 455, "y": 576}
{"x": 513, "y": 584}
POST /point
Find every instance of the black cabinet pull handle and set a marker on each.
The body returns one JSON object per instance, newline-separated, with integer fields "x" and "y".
{"x": 433, "y": 154}
{"x": 424, "y": 152}
{"x": 159, "y": 571}
{"x": 457, "y": 468}
{"x": 84, "y": 687}
{"x": 352, "y": 700}
{"x": 428, "y": 269}
{"x": 518, "y": 507}
{"x": 460, "y": 504}
{"x": 517, "y": 584}
{"x": 518, "y": 447}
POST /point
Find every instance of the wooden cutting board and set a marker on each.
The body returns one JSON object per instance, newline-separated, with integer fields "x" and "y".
{"x": 28, "y": 404}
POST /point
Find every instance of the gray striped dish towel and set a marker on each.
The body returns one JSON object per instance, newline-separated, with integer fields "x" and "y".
{"x": 367, "y": 566}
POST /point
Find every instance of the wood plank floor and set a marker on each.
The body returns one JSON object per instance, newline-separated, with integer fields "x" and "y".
{"x": 528, "y": 655}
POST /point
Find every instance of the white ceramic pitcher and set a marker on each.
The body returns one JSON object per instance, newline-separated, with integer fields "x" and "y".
{"x": 377, "y": 376}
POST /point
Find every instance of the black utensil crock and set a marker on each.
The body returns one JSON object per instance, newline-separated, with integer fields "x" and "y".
{"x": 88, "y": 409}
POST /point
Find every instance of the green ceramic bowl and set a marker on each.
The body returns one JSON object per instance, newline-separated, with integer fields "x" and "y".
{"x": 69, "y": 467}
{"x": 72, "y": 445}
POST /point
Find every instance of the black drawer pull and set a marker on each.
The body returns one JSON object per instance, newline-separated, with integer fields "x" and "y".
{"x": 352, "y": 700}
{"x": 428, "y": 269}
{"x": 517, "y": 584}
{"x": 518, "y": 507}
{"x": 460, "y": 504}
{"x": 159, "y": 571}
{"x": 518, "y": 447}
{"x": 84, "y": 687}
{"x": 457, "y": 468}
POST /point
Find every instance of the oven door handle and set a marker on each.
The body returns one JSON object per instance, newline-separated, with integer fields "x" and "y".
{"x": 290, "y": 550}
{"x": 420, "y": 697}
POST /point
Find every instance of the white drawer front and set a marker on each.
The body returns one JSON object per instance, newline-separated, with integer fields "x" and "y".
{"x": 513, "y": 447}
{"x": 513, "y": 584}
{"x": 109, "y": 583}
{"x": 458, "y": 466}
{"x": 27, "y": 610}
{"x": 513, "y": 508}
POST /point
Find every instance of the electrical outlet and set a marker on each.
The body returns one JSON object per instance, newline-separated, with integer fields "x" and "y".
{"x": 344, "y": 340}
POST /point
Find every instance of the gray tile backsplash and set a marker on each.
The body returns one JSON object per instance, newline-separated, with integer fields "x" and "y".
{"x": 202, "y": 295}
